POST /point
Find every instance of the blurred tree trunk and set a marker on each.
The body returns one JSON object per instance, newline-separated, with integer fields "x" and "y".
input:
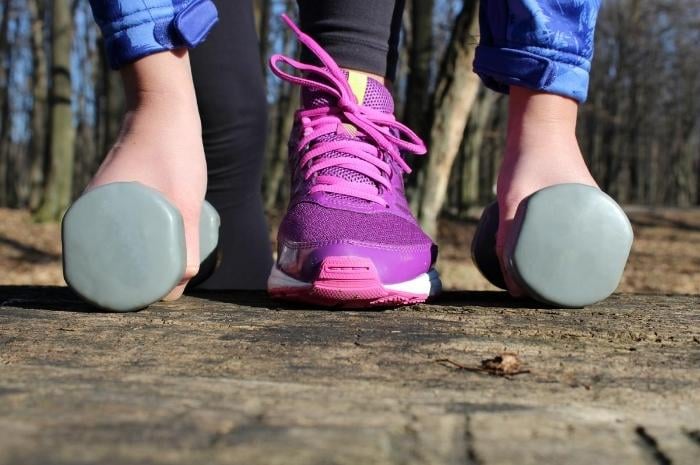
{"x": 478, "y": 124}
{"x": 419, "y": 63}
{"x": 454, "y": 95}
{"x": 109, "y": 102}
{"x": 5, "y": 51}
{"x": 57, "y": 195}
{"x": 87, "y": 153}
{"x": 275, "y": 187}
{"x": 114, "y": 106}
{"x": 40, "y": 92}
{"x": 5, "y": 114}
{"x": 262, "y": 14}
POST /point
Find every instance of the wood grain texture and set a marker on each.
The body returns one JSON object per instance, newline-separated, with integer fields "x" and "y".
{"x": 237, "y": 378}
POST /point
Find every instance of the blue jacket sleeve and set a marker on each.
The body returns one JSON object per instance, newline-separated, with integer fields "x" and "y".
{"x": 543, "y": 45}
{"x": 133, "y": 29}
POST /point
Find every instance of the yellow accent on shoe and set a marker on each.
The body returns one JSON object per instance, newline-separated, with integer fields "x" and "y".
{"x": 358, "y": 84}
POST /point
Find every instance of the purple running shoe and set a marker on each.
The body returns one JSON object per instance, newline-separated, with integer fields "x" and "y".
{"x": 348, "y": 238}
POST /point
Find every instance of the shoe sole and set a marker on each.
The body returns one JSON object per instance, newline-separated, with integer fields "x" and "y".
{"x": 352, "y": 282}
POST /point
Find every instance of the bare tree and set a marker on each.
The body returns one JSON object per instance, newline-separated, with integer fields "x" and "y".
{"x": 640, "y": 129}
{"x": 419, "y": 63}
{"x": 452, "y": 102}
{"x": 57, "y": 195}
{"x": 40, "y": 92}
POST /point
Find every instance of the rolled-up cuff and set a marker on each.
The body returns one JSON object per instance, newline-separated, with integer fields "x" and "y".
{"x": 551, "y": 71}
{"x": 155, "y": 26}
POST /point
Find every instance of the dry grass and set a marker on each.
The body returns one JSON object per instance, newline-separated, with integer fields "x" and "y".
{"x": 665, "y": 257}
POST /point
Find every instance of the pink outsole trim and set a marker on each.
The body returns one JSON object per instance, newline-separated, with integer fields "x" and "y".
{"x": 332, "y": 298}
{"x": 347, "y": 282}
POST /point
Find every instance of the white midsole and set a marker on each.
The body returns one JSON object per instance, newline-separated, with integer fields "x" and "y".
{"x": 419, "y": 285}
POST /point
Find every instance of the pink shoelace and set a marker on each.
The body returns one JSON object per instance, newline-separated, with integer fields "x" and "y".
{"x": 386, "y": 135}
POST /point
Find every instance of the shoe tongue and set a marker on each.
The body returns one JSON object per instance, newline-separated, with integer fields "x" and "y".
{"x": 369, "y": 92}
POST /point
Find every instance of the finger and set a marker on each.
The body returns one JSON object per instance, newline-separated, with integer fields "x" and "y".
{"x": 191, "y": 222}
{"x": 178, "y": 290}
{"x": 176, "y": 293}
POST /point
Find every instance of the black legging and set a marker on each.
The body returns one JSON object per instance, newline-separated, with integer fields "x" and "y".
{"x": 358, "y": 34}
{"x": 230, "y": 90}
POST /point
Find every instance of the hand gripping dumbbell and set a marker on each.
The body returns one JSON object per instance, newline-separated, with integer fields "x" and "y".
{"x": 568, "y": 245}
{"x": 124, "y": 245}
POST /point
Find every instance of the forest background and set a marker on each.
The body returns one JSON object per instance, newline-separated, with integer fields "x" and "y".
{"x": 60, "y": 105}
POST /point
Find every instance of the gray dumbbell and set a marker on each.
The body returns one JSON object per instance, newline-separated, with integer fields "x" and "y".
{"x": 568, "y": 246}
{"x": 124, "y": 245}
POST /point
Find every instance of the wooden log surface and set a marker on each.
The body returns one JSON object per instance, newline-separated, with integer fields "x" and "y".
{"x": 237, "y": 378}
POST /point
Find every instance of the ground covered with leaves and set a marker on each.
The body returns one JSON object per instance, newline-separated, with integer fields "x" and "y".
{"x": 665, "y": 257}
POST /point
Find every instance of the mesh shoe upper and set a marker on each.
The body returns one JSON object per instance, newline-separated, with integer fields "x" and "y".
{"x": 310, "y": 223}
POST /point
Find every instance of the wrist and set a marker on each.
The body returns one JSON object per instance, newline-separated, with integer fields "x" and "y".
{"x": 160, "y": 79}
{"x": 537, "y": 119}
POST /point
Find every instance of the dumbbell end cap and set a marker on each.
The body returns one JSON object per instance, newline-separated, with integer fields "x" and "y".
{"x": 572, "y": 246}
{"x": 123, "y": 246}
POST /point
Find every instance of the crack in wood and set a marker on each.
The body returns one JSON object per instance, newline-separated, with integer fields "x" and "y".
{"x": 651, "y": 445}
{"x": 693, "y": 435}
{"x": 471, "y": 455}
